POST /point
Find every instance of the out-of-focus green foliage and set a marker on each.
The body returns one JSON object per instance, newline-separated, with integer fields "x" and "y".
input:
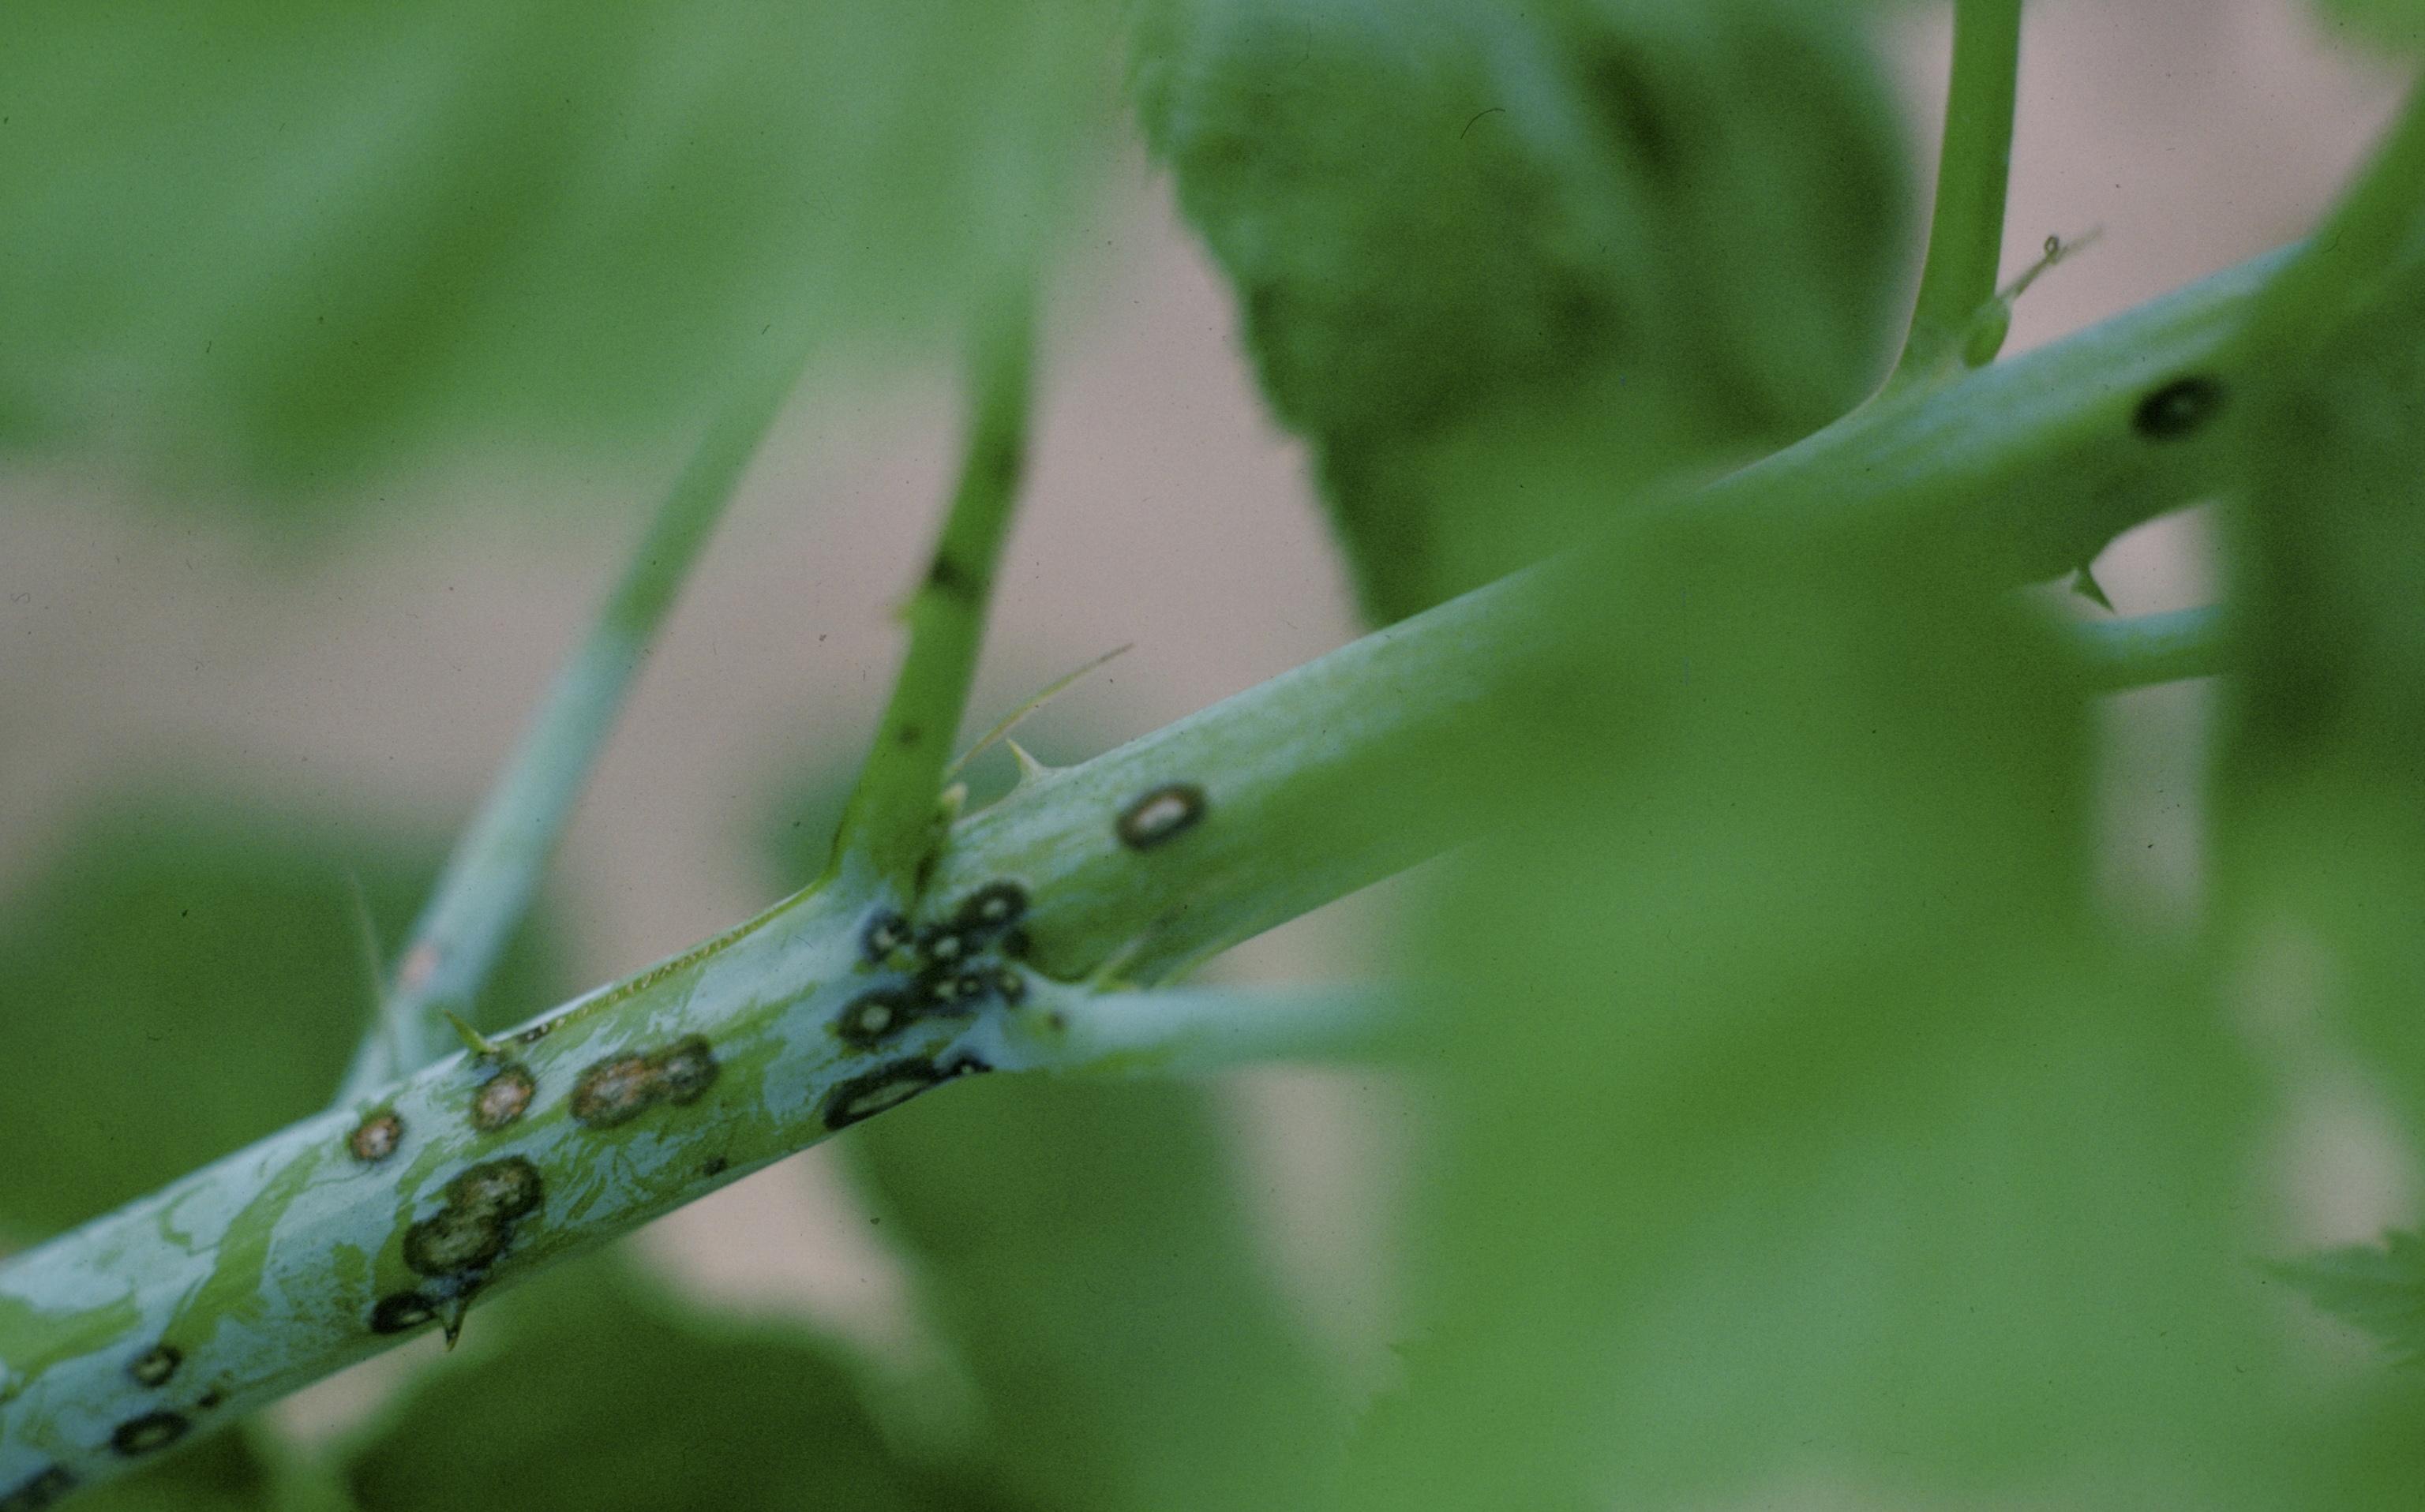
{"x": 2326, "y": 817}
{"x": 610, "y": 1397}
{"x": 288, "y": 243}
{"x": 184, "y": 976}
{"x": 2395, "y": 24}
{"x": 1469, "y": 237}
{"x": 1795, "y": 1130}
{"x": 1085, "y": 1251}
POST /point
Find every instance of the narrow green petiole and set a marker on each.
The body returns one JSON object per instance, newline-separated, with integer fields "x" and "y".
{"x": 488, "y": 881}
{"x": 2115, "y": 655}
{"x": 1966, "y": 232}
{"x": 892, "y": 825}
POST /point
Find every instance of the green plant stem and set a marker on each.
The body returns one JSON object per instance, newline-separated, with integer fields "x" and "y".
{"x": 1966, "y": 230}
{"x": 1193, "y": 1030}
{"x": 894, "y": 821}
{"x": 491, "y": 878}
{"x": 2115, "y": 655}
{"x": 267, "y": 1268}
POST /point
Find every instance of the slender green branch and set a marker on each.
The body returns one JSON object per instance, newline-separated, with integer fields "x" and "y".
{"x": 2115, "y": 655}
{"x": 318, "y": 1245}
{"x": 892, "y": 822}
{"x": 488, "y": 881}
{"x": 1966, "y": 232}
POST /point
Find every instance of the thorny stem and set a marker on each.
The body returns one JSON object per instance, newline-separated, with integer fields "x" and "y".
{"x": 1966, "y": 230}
{"x": 891, "y": 824}
{"x": 487, "y": 888}
{"x": 321, "y": 1244}
{"x": 2147, "y": 649}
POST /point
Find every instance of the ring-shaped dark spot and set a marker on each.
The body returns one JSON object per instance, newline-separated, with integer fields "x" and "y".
{"x": 2180, "y": 409}
{"x": 992, "y": 908}
{"x": 147, "y": 1434}
{"x": 1166, "y": 812}
{"x": 885, "y": 933}
{"x": 887, "y": 1087}
{"x": 401, "y": 1311}
{"x": 155, "y": 1366}
{"x": 502, "y": 1098}
{"x": 871, "y": 1018}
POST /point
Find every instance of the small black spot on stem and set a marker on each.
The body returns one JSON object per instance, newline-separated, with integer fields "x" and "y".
{"x": 1161, "y": 814}
{"x": 151, "y": 1432}
{"x": 885, "y": 932}
{"x": 993, "y": 907}
{"x": 155, "y": 1366}
{"x": 887, "y": 1087}
{"x": 871, "y": 1018}
{"x": 948, "y": 578}
{"x": 714, "y": 1166}
{"x": 401, "y": 1311}
{"x": 2181, "y": 408}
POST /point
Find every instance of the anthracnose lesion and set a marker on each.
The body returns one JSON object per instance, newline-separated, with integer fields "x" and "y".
{"x": 155, "y": 1366}
{"x": 953, "y": 581}
{"x": 890, "y": 1085}
{"x": 147, "y": 1434}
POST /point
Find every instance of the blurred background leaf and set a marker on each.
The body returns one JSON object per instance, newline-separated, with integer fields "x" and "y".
{"x": 605, "y": 1393}
{"x": 2398, "y": 26}
{"x": 1470, "y": 238}
{"x": 184, "y": 976}
{"x": 2325, "y": 817}
{"x": 276, "y": 246}
{"x": 1798, "y": 1136}
{"x": 1085, "y": 1251}
{"x": 2379, "y": 1289}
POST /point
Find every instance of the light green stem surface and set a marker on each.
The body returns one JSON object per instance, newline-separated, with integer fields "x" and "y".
{"x": 491, "y": 878}
{"x": 289, "y": 1259}
{"x": 1966, "y": 230}
{"x": 2148, "y": 649}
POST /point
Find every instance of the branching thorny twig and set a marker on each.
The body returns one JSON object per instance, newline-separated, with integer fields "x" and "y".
{"x": 324, "y": 1242}
{"x": 489, "y": 880}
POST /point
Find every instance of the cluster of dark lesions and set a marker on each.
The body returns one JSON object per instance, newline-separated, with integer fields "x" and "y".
{"x": 622, "y": 1087}
{"x": 949, "y": 967}
{"x": 891, "y": 1085}
{"x": 455, "y": 1249}
{"x": 44, "y": 1488}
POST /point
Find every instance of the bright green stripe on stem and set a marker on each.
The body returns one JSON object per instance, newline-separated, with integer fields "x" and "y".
{"x": 1966, "y": 232}
{"x": 892, "y": 825}
{"x": 489, "y": 880}
{"x": 2147, "y": 649}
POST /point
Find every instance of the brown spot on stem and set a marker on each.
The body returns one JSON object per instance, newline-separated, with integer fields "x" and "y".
{"x": 401, "y": 1311}
{"x": 376, "y": 1137}
{"x": 1161, "y": 814}
{"x": 502, "y": 1098}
